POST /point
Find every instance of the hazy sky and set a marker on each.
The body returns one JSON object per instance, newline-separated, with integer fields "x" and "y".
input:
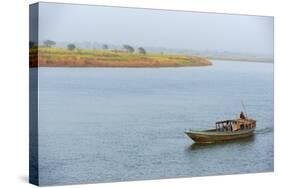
{"x": 156, "y": 28}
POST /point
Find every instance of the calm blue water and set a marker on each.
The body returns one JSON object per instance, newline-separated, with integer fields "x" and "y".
{"x": 117, "y": 124}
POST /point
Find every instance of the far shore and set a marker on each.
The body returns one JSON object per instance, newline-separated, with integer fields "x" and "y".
{"x": 254, "y": 60}
{"x": 60, "y": 57}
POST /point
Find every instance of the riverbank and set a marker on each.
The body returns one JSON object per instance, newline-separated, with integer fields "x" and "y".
{"x": 60, "y": 57}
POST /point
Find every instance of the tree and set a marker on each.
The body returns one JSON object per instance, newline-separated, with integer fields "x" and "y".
{"x": 71, "y": 47}
{"x": 128, "y": 48}
{"x": 141, "y": 50}
{"x": 105, "y": 46}
{"x": 49, "y": 43}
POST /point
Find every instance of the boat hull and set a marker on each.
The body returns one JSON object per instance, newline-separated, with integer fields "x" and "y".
{"x": 210, "y": 136}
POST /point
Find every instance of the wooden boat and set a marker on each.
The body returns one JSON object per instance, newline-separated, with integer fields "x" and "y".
{"x": 224, "y": 131}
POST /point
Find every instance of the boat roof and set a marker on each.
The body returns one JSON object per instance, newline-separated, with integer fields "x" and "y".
{"x": 239, "y": 120}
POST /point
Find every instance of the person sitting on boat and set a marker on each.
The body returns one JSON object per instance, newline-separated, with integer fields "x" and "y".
{"x": 242, "y": 116}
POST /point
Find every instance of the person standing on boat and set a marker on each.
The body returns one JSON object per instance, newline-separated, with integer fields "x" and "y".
{"x": 242, "y": 116}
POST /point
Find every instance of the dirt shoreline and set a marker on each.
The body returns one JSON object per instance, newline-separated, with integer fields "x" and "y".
{"x": 57, "y": 57}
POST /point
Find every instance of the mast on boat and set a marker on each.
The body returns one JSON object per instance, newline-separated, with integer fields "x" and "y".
{"x": 244, "y": 109}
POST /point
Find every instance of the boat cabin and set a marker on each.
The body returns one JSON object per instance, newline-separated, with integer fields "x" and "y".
{"x": 235, "y": 125}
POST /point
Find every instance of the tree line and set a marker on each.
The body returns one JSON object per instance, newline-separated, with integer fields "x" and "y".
{"x": 71, "y": 46}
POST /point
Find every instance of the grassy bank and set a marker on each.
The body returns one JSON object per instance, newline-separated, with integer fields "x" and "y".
{"x": 60, "y": 57}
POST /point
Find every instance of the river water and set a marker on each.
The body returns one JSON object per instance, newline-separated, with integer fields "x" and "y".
{"x": 119, "y": 124}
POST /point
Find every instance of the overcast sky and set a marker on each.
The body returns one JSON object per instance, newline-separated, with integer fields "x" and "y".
{"x": 156, "y": 28}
